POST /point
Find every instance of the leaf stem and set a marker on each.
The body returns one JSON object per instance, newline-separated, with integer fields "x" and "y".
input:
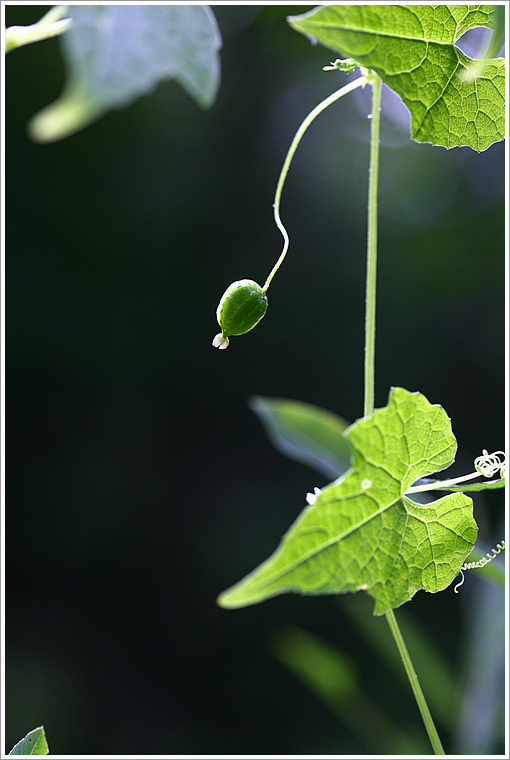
{"x": 375, "y": 81}
{"x": 290, "y": 154}
{"x": 369, "y": 400}
{"x": 415, "y": 684}
{"x": 440, "y": 484}
{"x": 50, "y": 25}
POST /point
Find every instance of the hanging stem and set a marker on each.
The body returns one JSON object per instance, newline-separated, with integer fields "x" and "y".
{"x": 290, "y": 154}
{"x": 375, "y": 81}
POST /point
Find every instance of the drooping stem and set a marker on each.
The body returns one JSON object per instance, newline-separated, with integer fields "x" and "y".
{"x": 372, "y": 247}
{"x": 290, "y": 154}
{"x": 415, "y": 684}
{"x": 375, "y": 81}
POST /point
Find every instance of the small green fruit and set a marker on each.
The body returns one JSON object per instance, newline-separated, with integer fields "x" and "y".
{"x": 242, "y": 306}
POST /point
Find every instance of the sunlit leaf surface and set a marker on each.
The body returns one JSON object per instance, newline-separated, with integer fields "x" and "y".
{"x": 362, "y": 533}
{"x": 412, "y": 48}
{"x": 34, "y": 743}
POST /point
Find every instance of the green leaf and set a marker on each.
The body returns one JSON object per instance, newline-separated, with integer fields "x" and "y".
{"x": 34, "y": 743}
{"x": 331, "y": 677}
{"x": 325, "y": 670}
{"x": 437, "y": 676}
{"x": 411, "y": 47}
{"x": 306, "y": 433}
{"x": 115, "y": 53}
{"x": 362, "y": 532}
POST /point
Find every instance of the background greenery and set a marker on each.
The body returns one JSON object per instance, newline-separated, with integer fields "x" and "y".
{"x": 139, "y": 485}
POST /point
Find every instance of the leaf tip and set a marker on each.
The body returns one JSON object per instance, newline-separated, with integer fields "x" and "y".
{"x": 34, "y": 743}
{"x": 229, "y": 600}
{"x": 295, "y": 22}
{"x": 246, "y": 592}
{"x": 62, "y": 118}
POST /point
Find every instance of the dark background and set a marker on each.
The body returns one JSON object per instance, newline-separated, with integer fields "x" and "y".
{"x": 139, "y": 485}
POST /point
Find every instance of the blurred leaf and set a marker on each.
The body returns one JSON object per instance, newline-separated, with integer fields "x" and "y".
{"x": 324, "y": 669}
{"x": 436, "y": 676}
{"x": 362, "y": 533}
{"x": 115, "y": 53}
{"x": 331, "y": 677}
{"x": 34, "y": 743}
{"x": 412, "y": 49}
{"x": 306, "y": 433}
{"x": 483, "y": 712}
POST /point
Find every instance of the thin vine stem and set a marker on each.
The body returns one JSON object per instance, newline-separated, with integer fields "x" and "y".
{"x": 415, "y": 684}
{"x": 290, "y": 154}
{"x": 372, "y": 247}
{"x": 369, "y": 400}
{"x": 441, "y": 484}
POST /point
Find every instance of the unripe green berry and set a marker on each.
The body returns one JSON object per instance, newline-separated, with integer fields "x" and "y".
{"x": 241, "y": 307}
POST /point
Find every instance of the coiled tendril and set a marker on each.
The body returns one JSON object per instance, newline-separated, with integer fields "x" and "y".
{"x": 488, "y": 465}
{"x": 481, "y": 562}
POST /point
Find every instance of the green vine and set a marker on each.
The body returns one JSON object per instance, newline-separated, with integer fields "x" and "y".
{"x": 371, "y": 279}
{"x": 311, "y": 557}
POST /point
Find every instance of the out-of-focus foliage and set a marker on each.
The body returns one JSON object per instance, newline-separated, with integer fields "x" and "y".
{"x": 115, "y": 53}
{"x": 305, "y": 433}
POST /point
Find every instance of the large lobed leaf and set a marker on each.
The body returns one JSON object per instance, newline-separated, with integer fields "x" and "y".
{"x": 412, "y": 49}
{"x": 115, "y": 53}
{"x": 362, "y": 532}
